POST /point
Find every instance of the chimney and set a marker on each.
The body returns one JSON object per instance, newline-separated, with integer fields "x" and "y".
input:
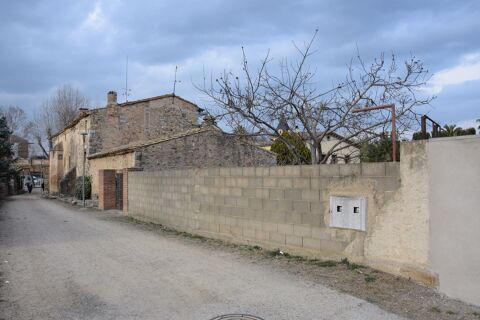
{"x": 83, "y": 111}
{"x": 111, "y": 99}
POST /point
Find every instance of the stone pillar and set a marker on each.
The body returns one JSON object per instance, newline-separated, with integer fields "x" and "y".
{"x": 106, "y": 189}
{"x": 125, "y": 188}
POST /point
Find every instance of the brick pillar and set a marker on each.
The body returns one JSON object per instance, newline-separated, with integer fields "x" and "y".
{"x": 106, "y": 189}
{"x": 125, "y": 188}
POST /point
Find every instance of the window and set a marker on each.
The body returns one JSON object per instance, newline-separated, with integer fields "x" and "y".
{"x": 347, "y": 158}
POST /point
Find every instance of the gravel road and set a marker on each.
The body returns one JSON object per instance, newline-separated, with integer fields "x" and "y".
{"x": 59, "y": 262}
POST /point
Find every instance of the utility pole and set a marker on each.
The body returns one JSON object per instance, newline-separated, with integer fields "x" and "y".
{"x": 84, "y": 134}
{"x": 394, "y": 128}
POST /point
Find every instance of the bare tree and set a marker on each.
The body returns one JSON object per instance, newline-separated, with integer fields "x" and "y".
{"x": 56, "y": 112}
{"x": 257, "y": 99}
{"x": 16, "y": 119}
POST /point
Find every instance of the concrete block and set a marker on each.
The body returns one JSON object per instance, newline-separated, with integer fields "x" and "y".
{"x": 319, "y": 183}
{"x": 383, "y": 184}
{"x": 329, "y": 170}
{"x": 310, "y": 195}
{"x": 262, "y": 171}
{"x": 293, "y": 217}
{"x": 231, "y": 221}
{"x": 249, "y": 233}
{"x": 262, "y": 193}
{"x": 254, "y": 224}
{"x": 219, "y": 219}
{"x": 230, "y": 201}
{"x": 224, "y": 229}
{"x": 248, "y": 171}
{"x": 276, "y": 194}
{"x": 279, "y": 238}
{"x": 392, "y": 169}
{"x": 261, "y": 235}
{"x": 295, "y": 241}
{"x": 276, "y": 216}
{"x": 270, "y": 205}
{"x": 302, "y": 230}
{"x": 224, "y": 172}
{"x": 236, "y": 192}
{"x": 285, "y": 228}
{"x": 309, "y": 171}
{"x": 301, "y": 206}
{"x": 317, "y": 207}
{"x": 269, "y": 182}
{"x": 352, "y": 169}
{"x": 278, "y": 171}
{"x": 255, "y": 203}
{"x": 242, "y": 202}
{"x": 230, "y": 182}
{"x": 285, "y": 182}
{"x": 249, "y": 192}
{"x": 219, "y": 182}
{"x": 242, "y": 182}
{"x": 301, "y": 183}
{"x": 236, "y": 172}
{"x": 236, "y": 231}
{"x": 332, "y": 246}
{"x": 269, "y": 227}
{"x": 255, "y": 182}
{"x": 312, "y": 219}
{"x": 373, "y": 169}
{"x": 311, "y": 243}
{"x": 292, "y": 171}
{"x": 209, "y": 181}
{"x": 219, "y": 200}
{"x": 293, "y": 194}
{"x": 321, "y": 233}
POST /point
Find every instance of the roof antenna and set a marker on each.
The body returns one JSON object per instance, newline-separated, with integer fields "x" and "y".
{"x": 127, "y": 91}
{"x": 175, "y": 84}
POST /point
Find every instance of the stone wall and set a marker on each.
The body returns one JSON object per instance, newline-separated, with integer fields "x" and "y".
{"x": 114, "y": 126}
{"x": 288, "y": 208}
{"x": 122, "y": 124}
{"x": 210, "y": 148}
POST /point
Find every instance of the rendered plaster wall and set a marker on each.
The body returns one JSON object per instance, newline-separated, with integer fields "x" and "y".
{"x": 454, "y": 170}
{"x": 118, "y": 162}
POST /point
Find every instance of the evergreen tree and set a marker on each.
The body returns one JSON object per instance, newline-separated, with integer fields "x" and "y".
{"x": 5, "y": 150}
{"x": 379, "y": 150}
{"x": 285, "y": 156}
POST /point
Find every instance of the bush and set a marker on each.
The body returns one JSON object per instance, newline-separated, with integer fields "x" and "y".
{"x": 285, "y": 156}
{"x": 379, "y": 150}
{"x": 88, "y": 187}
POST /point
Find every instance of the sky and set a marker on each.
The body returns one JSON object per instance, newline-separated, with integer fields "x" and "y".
{"x": 85, "y": 44}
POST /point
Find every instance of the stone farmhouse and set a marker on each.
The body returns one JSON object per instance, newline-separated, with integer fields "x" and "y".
{"x": 161, "y": 132}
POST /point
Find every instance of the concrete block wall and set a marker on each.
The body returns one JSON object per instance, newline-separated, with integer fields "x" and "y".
{"x": 282, "y": 207}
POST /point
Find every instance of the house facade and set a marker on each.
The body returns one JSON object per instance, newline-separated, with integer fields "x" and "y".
{"x": 154, "y": 133}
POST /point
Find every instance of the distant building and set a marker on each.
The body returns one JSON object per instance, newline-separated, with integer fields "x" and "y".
{"x": 20, "y": 147}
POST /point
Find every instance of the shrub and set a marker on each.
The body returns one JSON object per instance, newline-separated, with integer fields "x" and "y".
{"x": 88, "y": 187}
{"x": 287, "y": 157}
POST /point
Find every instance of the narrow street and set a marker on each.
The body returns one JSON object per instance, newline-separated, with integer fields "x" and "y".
{"x": 59, "y": 262}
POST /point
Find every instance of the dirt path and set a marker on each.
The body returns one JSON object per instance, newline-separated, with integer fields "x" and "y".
{"x": 59, "y": 262}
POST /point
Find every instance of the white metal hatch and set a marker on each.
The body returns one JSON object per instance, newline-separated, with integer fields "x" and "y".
{"x": 348, "y": 212}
